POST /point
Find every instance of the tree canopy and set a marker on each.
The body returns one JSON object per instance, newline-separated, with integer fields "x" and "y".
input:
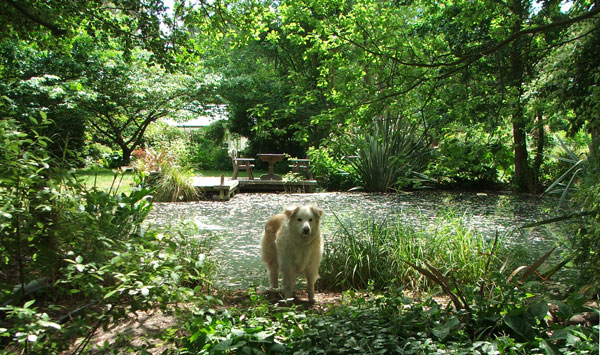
{"x": 300, "y": 73}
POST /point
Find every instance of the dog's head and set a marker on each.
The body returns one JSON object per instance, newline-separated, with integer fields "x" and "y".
{"x": 304, "y": 220}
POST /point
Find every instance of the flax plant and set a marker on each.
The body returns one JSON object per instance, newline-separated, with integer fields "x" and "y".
{"x": 388, "y": 154}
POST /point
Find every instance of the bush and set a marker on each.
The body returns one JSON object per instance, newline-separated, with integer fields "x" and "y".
{"x": 331, "y": 170}
{"x": 163, "y": 137}
{"x": 174, "y": 184}
{"x": 158, "y": 171}
{"x": 79, "y": 255}
{"x": 388, "y": 155}
{"x": 474, "y": 159}
{"x": 578, "y": 184}
{"x": 205, "y": 154}
{"x": 587, "y": 238}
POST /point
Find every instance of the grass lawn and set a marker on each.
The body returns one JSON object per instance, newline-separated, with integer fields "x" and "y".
{"x": 104, "y": 178}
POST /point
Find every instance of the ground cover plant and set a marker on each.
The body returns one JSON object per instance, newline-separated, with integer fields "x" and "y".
{"x": 76, "y": 259}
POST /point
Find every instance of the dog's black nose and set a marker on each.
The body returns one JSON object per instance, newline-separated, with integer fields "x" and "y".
{"x": 305, "y": 230}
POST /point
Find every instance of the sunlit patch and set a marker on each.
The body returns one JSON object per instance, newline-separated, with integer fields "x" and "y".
{"x": 240, "y": 222}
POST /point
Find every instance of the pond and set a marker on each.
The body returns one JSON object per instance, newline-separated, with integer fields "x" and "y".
{"x": 240, "y": 221}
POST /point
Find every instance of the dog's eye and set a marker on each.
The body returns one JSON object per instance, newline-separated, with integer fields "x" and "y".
{"x": 299, "y": 219}
{"x": 310, "y": 220}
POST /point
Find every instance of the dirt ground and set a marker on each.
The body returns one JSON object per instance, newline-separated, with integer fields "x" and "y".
{"x": 142, "y": 329}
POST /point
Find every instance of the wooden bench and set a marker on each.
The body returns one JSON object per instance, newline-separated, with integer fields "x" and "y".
{"x": 243, "y": 163}
{"x": 302, "y": 166}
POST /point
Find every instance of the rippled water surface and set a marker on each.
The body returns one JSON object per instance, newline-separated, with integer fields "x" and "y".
{"x": 240, "y": 221}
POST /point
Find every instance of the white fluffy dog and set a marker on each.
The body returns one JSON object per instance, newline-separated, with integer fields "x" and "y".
{"x": 292, "y": 243}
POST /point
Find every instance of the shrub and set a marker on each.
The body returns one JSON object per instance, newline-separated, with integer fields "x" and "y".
{"x": 578, "y": 184}
{"x": 174, "y": 184}
{"x": 471, "y": 159}
{"x": 170, "y": 182}
{"x": 388, "y": 155}
{"x": 331, "y": 170}
{"x": 205, "y": 154}
{"x": 79, "y": 255}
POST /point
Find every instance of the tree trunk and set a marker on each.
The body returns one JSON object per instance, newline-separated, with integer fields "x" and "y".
{"x": 539, "y": 151}
{"x": 524, "y": 179}
{"x": 126, "y": 153}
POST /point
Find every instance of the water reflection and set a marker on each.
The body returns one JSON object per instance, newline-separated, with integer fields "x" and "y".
{"x": 240, "y": 221}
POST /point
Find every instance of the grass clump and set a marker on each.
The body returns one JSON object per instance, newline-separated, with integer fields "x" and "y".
{"x": 158, "y": 170}
{"x": 379, "y": 254}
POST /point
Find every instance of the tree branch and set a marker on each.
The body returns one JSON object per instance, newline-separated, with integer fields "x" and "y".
{"x": 470, "y": 58}
{"x": 57, "y": 31}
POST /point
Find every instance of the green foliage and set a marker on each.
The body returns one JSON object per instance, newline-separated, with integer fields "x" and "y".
{"x": 386, "y": 323}
{"x": 577, "y": 166}
{"x": 206, "y": 153}
{"x": 174, "y": 184}
{"x": 388, "y": 154}
{"x": 170, "y": 182}
{"x": 579, "y": 190}
{"x": 376, "y": 254}
{"x": 90, "y": 243}
{"x": 331, "y": 170}
{"x": 470, "y": 158}
{"x": 587, "y": 238}
{"x": 251, "y": 330}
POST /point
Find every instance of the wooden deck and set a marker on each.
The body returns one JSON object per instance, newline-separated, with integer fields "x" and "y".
{"x": 215, "y": 187}
{"x": 278, "y": 185}
{"x": 223, "y": 189}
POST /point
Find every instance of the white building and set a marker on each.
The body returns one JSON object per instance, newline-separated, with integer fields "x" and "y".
{"x": 213, "y": 114}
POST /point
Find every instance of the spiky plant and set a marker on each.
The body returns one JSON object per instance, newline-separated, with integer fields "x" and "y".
{"x": 388, "y": 154}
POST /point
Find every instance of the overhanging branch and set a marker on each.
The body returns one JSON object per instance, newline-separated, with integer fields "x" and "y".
{"x": 57, "y": 31}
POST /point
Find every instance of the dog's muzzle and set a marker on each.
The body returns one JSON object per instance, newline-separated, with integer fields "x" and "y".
{"x": 306, "y": 230}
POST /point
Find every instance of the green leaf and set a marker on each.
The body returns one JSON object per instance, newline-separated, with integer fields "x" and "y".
{"x": 442, "y": 331}
{"x": 539, "y": 310}
{"x": 520, "y": 326}
{"x": 224, "y": 345}
{"x": 110, "y": 293}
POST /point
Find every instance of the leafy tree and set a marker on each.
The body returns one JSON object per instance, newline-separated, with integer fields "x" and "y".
{"x": 122, "y": 98}
{"x": 467, "y": 61}
{"x": 53, "y": 24}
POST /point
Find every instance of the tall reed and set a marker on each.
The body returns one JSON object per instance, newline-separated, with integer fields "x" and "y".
{"x": 375, "y": 254}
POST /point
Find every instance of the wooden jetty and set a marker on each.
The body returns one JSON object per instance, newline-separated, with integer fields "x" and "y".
{"x": 215, "y": 187}
{"x": 224, "y": 188}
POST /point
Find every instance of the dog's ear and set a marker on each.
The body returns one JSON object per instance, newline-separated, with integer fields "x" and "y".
{"x": 290, "y": 211}
{"x": 316, "y": 211}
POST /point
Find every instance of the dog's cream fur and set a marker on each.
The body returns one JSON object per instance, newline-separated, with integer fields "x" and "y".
{"x": 292, "y": 243}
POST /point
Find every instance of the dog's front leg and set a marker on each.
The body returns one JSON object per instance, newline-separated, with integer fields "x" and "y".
{"x": 288, "y": 283}
{"x": 310, "y": 285}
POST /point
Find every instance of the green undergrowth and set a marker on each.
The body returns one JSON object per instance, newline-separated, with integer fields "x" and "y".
{"x": 381, "y": 253}
{"x": 387, "y": 322}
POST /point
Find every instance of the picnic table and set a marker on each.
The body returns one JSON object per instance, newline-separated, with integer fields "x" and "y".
{"x": 271, "y": 158}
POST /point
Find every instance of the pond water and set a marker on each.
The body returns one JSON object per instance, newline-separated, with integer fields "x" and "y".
{"x": 240, "y": 221}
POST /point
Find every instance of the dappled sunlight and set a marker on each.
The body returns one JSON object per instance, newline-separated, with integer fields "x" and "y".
{"x": 240, "y": 222}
